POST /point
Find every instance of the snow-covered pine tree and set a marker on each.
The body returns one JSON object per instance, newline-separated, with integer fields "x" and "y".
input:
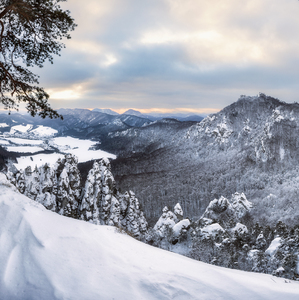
{"x": 131, "y": 216}
{"x": 47, "y": 187}
{"x": 68, "y": 186}
{"x": 261, "y": 242}
{"x": 58, "y": 189}
{"x": 108, "y": 203}
{"x": 178, "y": 211}
{"x": 89, "y": 208}
{"x": 102, "y": 204}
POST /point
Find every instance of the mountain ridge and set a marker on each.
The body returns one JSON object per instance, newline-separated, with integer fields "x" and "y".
{"x": 249, "y": 146}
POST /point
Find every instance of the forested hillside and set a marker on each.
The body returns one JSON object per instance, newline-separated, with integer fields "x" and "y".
{"x": 250, "y": 146}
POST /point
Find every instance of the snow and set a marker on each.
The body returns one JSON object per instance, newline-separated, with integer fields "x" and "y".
{"x": 47, "y": 256}
{"x": 44, "y": 131}
{"x": 253, "y": 253}
{"x": 240, "y": 228}
{"x": 3, "y": 125}
{"x": 178, "y": 210}
{"x": 68, "y": 142}
{"x": 117, "y": 122}
{"x": 180, "y": 226}
{"x": 212, "y": 230}
{"x": 20, "y": 128}
{"x": 40, "y": 131}
{"x": 37, "y": 160}
{"x": 4, "y": 142}
{"x": 25, "y": 141}
{"x": 240, "y": 204}
{"x": 166, "y": 221}
{"x": 80, "y": 148}
{"x": 273, "y": 246}
{"x": 24, "y": 149}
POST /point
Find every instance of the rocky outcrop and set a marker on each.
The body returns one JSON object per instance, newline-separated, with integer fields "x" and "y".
{"x": 225, "y": 212}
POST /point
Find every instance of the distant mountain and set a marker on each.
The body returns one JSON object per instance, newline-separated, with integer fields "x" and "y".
{"x": 81, "y": 123}
{"x": 159, "y": 116}
{"x": 133, "y": 113}
{"x": 76, "y": 122}
{"x": 106, "y": 111}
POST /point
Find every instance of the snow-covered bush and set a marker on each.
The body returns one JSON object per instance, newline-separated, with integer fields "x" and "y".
{"x": 170, "y": 228}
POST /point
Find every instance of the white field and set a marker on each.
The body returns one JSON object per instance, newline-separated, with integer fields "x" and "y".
{"x": 40, "y": 131}
{"x": 37, "y": 160}
{"x": 25, "y": 141}
{"x": 4, "y": 142}
{"x": 43, "y": 131}
{"x": 46, "y": 256}
{"x": 20, "y": 128}
{"x": 24, "y": 149}
{"x": 80, "y": 148}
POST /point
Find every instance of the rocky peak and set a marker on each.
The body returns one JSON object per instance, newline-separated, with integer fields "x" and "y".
{"x": 225, "y": 212}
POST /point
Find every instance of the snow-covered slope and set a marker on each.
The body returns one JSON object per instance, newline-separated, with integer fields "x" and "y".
{"x": 84, "y": 149}
{"x": 27, "y": 130}
{"x": 46, "y": 256}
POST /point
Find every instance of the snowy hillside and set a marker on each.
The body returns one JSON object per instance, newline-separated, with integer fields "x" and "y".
{"x": 250, "y": 146}
{"x": 47, "y": 256}
{"x": 84, "y": 149}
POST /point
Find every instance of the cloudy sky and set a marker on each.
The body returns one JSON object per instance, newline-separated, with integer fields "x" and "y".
{"x": 182, "y": 55}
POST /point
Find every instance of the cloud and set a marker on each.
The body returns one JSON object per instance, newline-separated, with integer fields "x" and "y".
{"x": 171, "y": 54}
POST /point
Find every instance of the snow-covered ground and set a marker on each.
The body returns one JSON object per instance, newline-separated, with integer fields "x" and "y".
{"x": 37, "y": 160}
{"x": 39, "y": 131}
{"x": 20, "y": 128}
{"x": 24, "y": 149}
{"x": 4, "y": 142}
{"x": 43, "y": 131}
{"x": 24, "y": 141}
{"x": 46, "y": 256}
{"x": 83, "y": 149}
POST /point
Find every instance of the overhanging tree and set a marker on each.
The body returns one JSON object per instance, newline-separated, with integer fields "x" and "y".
{"x": 30, "y": 33}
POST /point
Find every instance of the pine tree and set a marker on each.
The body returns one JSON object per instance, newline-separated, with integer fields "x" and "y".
{"x": 68, "y": 186}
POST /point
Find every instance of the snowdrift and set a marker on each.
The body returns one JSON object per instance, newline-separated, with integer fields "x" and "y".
{"x": 46, "y": 256}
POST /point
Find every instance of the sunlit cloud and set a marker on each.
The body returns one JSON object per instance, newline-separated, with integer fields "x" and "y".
{"x": 110, "y": 59}
{"x": 87, "y": 47}
{"x": 176, "y": 54}
{"x": 68, "y": 94}
{"x": 210, "y": 47}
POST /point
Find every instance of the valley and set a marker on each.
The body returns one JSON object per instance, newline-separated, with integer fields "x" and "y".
{"x": 249, "y": 146}
{"x": 230, "y": 179}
